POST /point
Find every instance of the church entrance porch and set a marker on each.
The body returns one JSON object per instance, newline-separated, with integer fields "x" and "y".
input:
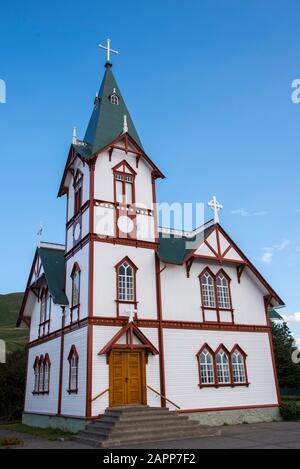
{"x": 127, "y": 377}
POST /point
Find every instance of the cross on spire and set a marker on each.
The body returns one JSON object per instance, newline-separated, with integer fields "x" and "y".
{"x": 39, "y": 235}
{"x": 215, "y": 206}
{"x": 108, "y": 49}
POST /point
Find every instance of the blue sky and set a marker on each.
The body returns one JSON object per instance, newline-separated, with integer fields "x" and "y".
{"x": 208, "y": 84}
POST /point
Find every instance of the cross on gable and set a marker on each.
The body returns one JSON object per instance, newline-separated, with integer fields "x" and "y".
{"x": 215, "y": 206}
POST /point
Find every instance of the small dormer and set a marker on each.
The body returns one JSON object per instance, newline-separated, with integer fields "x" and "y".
{"x": 114, "y": 98}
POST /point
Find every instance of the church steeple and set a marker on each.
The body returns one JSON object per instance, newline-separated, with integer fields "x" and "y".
{"x": 106, "y": 122}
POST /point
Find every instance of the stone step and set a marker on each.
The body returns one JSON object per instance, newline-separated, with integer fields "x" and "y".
{"x": 123, "y": 414}
{"x": 158, "y": 436}
{"x": 137, "y": 419}
{"x": 112, "y": 442}
{"x": 121, "y": 432}
{"x": 121, "y": 426}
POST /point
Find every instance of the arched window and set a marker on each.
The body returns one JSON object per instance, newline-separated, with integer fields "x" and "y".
{"x": 238, "y": 366}
{"x": 114, "y": 99}
{"x": 206, "y": 366}
{"x": 41, "y": 374}
{"x": 223, "y": 367}
{"x": 208, "y": 289}
{"x": 44, "y": 312}
{"x": 75, "y": 293}
{"x": 46, "y": 379}
{"x": 223, "y": 291}
{"x": 73, "y": 370}
{"x": 36, "y": 371}
{"x": 125, "y": 282}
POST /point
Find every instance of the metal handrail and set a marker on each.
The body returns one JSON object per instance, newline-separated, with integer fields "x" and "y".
{"x": 101, "y": 394}
{"x": 164, "y": 397}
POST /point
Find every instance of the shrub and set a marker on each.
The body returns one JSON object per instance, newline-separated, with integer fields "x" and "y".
{"x": 290, "y": 410}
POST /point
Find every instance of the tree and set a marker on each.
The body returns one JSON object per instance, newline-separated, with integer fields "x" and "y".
{"x": 288, "y": 372}
{"x": 12, "y": 385}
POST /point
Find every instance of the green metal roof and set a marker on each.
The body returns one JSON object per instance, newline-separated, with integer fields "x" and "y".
{"x": 274, "y": 315}
{"x": 175, "y": 249}
{"x": 53, "y": 263}
{"x": 106, "y": 122}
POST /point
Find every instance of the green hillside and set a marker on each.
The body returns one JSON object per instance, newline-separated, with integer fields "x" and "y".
{"x": 14, "y": 337}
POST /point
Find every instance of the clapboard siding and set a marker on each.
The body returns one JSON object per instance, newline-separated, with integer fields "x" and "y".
{"x": 182, "y": 377}
{"x": 44, "y": 403}
{"x": 75, "y": 404}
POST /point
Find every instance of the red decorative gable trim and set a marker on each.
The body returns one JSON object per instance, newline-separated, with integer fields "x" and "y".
{"x": 130, "y": 329}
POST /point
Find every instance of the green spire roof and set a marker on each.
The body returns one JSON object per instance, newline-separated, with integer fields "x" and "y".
{"x": 106, "y": 122}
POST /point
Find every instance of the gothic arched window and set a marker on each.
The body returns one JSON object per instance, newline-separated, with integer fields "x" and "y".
{"x": 208, "y": 289}
{"x": 223, "y": 366}
{"x": 223, "y": 291}
{"x": 238, "y": 358}
{"x": 75, "y": 275}
{"x": 206, "y": 366}
{"x": 73, "y": 359}
{"x": 125, "y": 282}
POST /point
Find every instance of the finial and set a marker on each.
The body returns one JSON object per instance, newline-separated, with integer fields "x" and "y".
{"x": 39, "y": 234}
{"x": 125, "y": 125}
{"x": 108, "y": 50}
{"x": 74, "y": 138}
{"x": 215, "y": 206}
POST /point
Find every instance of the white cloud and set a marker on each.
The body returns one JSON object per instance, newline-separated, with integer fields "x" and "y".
{"x": 293, "y": 318}
{"x": 244, "y": 213}
{"x": 268, "y": 252}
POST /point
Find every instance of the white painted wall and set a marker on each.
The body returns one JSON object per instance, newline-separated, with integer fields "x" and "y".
{"x": 181, "y": 296}
{"x": 106, "y": 257}
{"x": 104, "y": 182}
{"x": 82, "y": 258}
{"x": 182, "y": 377}
{"x": 43, "y": 403}
{"x": 75, "y": 404}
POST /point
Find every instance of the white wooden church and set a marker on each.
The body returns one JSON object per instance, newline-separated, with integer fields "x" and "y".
{"x": 128, "y": 313}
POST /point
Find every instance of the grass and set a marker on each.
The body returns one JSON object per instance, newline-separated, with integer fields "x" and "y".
{"x": 10, "y": 441}
{"x": 15, "y": 338}
{"x": 47, "y": 433}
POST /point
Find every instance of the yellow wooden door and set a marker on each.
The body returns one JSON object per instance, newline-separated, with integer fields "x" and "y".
{"x": 127, "y": 378}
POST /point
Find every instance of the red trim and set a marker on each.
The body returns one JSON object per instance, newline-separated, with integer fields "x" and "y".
{"x": 129, "y": 329}
{"x": 160, "y": 333}
{"x": 91, "y": 296}
{"x": 61, "y": 362}
{"x": 212, "y": 409}
{"x": 210, "y": 350}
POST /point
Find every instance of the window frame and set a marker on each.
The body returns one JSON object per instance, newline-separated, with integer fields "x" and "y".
{"x": 217, "y": 383}
{"x": 217, "y": 307}
{"x": 134, "y": 301}
{"x": 77, "y": 185}
{"x": 75, "y": 307}
{"x": 223, "y": 349}
{"x": 45, "y": 314}
{"x": 209, "y": 349}
{"x": 114, "y": 96}
{"x": 73, "y": 353}
{"x": 235, "y": 348}
{"x": 39, "y": 374}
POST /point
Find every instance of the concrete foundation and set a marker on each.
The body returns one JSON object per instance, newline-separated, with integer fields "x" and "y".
{"x": 67, "y": 424}
{"x": 236, "y": 416}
